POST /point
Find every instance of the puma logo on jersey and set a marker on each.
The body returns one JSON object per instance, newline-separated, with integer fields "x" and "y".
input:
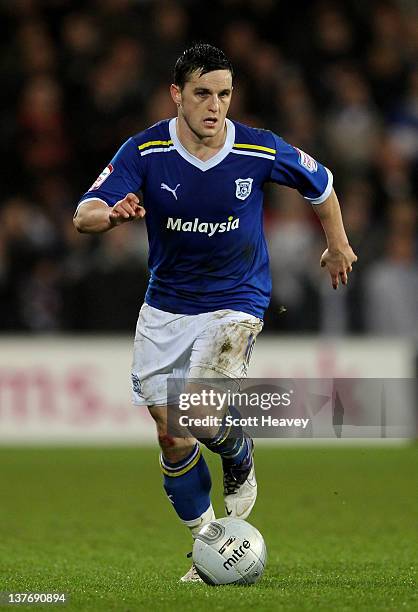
{"x": 173, "y": 191}
{"x": 203, "y": 227}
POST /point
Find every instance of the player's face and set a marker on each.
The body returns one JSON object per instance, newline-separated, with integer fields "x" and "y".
{"x": 204, "y": 101}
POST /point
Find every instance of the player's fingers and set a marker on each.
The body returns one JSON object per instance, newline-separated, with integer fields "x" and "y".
{"x": 131, "y": 198}
{"x": 344, "y": 278}
{"x": 129, "y": 208}
{"x": 122, "y": 212}
{"x": 349, "y": 269}
{"x": 139, "y": 211}
{"x": 335, "y": 281}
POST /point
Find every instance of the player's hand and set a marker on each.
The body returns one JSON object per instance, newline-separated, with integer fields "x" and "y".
{"x": 339, "y": 263}
{"x": 125, "y": 210}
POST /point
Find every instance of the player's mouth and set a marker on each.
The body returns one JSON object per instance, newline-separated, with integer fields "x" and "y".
{"x": 210, "y": 122}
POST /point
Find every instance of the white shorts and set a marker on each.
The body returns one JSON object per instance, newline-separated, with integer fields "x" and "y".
{"x": 177, "y": 346}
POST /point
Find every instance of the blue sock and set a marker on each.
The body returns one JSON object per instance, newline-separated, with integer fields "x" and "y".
{"x": 230, "y": 442}
{"x": 187, "y": 484}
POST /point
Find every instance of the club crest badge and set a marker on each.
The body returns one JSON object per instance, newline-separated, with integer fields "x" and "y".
{"x": 136, "y": 383}
{"x": 243, "y": 188}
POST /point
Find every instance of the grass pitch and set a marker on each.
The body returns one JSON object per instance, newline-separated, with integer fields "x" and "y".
{"x": 339, "y": 524}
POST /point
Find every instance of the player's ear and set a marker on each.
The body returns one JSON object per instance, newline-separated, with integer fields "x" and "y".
{"x": 175, "y": 94}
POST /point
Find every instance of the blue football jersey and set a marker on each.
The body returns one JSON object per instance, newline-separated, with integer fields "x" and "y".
{"x": 207, "y": 249}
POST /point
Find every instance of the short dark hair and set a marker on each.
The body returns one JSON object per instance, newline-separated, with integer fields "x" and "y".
{"x": 200, "y": 57}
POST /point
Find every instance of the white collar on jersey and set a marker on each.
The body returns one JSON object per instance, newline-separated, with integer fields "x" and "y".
{"x": 195, "y": 161}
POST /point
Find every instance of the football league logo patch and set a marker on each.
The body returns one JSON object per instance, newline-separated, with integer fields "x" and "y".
{"x": 243, "y": 188}
{"x": 102, "y": 177}
{"x": 307, "y": 161}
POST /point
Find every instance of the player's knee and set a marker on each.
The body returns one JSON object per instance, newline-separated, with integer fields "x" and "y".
{"x": 175, "y": 449}
{"x": 166, "y": 441}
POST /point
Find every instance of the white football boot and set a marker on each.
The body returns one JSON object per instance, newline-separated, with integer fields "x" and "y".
{"x": 240, "y": 487}
{"x": 195, "y": 526}
{"x": 191, "y": 575}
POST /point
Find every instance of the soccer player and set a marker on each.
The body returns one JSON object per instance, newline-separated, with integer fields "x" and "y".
{"x": 202, "y": 176}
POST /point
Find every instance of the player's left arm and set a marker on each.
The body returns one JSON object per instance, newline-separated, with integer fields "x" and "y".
{"x": 296, "y": 169}
{"x": 338, "y": 257}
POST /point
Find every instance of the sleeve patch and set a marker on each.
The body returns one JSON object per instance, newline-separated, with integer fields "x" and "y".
{"x": 307, "y": 161}
{"x": 102, "y": 177}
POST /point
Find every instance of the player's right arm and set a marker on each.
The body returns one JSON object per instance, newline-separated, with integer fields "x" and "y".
{"x": 111, "y": 200}
{"x": 96, "y": 216}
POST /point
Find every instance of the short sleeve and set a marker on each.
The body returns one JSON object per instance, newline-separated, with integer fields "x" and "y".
{"x": 295, "y": 168}
{"x": 124, "y": 174}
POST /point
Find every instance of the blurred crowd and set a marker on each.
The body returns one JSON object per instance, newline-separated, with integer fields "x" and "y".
{"x": 337, "y": 79}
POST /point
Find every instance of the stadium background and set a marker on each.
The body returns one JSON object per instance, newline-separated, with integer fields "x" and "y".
{"x": 337, "y": 79}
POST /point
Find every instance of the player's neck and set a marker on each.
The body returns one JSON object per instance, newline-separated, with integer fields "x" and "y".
{"x": 202, "y": 148}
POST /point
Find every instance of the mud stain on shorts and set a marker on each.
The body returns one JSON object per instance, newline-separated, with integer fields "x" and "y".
{"x": 230, "y": 345}
{"x": 226, "y": 346}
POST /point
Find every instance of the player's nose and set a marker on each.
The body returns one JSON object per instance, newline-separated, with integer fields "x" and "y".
{"x": 214, "y": 103}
